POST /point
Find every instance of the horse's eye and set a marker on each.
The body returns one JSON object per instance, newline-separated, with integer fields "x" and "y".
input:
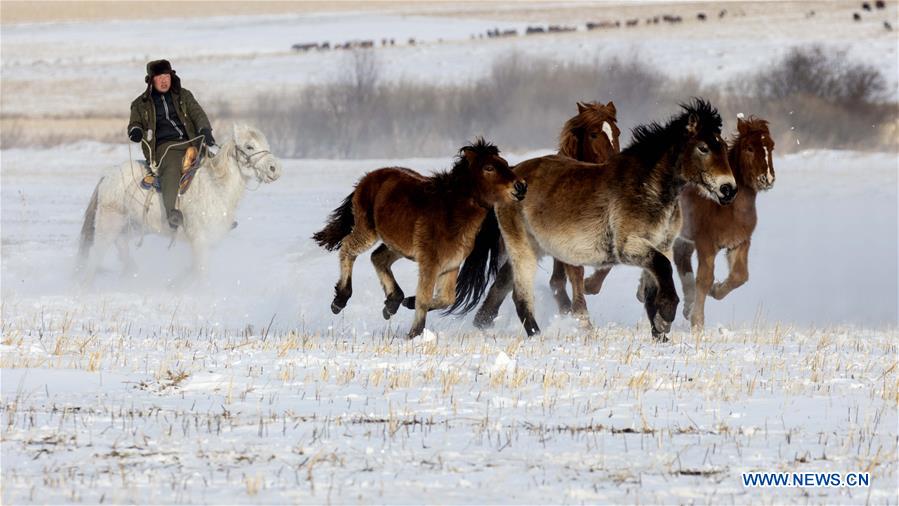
{"x": 249, "y": 147}
{"x": 488, "y": 168}
{"x": 704, "y": 149}
{"x": 593, "y": 135}
{"x": 750, "y": 149}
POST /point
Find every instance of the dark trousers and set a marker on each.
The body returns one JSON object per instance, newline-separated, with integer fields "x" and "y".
{"x": 169, "y": 167}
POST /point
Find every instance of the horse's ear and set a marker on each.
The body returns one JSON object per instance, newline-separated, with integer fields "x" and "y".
{"x": 742, "y": 126}
{"x": 693, "y": 124}
{"x": 239, "y": 131}
{"x": 581, "y": 107}
{"x": 611, "y": 107}
{"x": 469, "y": 154}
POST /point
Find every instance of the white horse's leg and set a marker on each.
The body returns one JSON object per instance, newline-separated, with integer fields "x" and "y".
{"x": 121, "y": 242}
{"x": 109, "y": 226}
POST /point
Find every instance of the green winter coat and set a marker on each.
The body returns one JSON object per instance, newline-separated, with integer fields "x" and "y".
{"x": 143, "y": 115}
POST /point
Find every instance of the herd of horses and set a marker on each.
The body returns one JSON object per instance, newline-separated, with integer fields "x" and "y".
{"x": 679, "y": 187}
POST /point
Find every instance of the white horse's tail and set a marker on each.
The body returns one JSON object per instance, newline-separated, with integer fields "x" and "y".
{"x": 89, "y": 226}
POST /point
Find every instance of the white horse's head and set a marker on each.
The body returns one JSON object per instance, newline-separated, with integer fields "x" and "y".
{"x": 253, "y": 154}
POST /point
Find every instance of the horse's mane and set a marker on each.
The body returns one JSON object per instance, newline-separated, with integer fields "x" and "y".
{"x": 651, "y": 141}
{"x": 755, "y": 125}
{"x": 449, "y": 179}
{"x": 592, "y": 115}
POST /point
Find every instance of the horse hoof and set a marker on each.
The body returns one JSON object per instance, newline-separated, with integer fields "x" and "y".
{"x": 335, "y": 308}
{"x": 659, "y": 337}
{"x": 660, "y": 325}
{"x": 409, "y": 302}
{"x": 484, "y": 322}
{"x": 530, "y": 326}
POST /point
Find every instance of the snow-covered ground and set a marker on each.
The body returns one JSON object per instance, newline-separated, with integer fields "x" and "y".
{"x": 247, "y": 389}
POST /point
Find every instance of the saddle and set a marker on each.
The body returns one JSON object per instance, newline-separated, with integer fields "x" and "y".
{"x": 189, "y": 166}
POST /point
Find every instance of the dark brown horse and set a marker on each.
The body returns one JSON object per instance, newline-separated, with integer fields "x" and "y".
{"x": 591, "y": 136}
{"x": 708, "y": 228}
{"x": 615, "y": 213}
{"x": 435, "y": 221}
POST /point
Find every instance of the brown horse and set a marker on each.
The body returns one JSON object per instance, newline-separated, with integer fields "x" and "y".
{"x": 709, "y": 228}
{"x": 615, "y": 213}
{"x": 592, "y": 137}
{"x": 435, "y": 221}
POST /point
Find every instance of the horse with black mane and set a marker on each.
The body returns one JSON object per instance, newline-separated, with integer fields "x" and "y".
{"x": 436, "y": 221}
{"x": 709, "y": 227}
{"x": 615, "y": 213}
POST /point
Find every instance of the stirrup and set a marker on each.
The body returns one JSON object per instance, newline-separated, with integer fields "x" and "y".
{"x": 149, "y": 181}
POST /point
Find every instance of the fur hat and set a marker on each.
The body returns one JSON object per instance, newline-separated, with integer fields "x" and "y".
{"x": 156, "y": 68}
{"x": 159, "y": 67}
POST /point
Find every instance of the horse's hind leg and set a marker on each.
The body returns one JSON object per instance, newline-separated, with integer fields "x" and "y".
{"x": 523, "y": 256}
{"x": 557, "y": 284}
{"x": 360, "y": 239}
{"x": 579, "y": 303}
{"x": 382, "y": 258}
{"x": 593, "y": 284}
{"x": 683, "y": 254}
{"x": 498, "y": 292}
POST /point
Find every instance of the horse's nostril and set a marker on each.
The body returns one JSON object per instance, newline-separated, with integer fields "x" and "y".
{"x": 728, "y": 191}
{"x": 272, "y": 168}
{"x": 521, "y": 187}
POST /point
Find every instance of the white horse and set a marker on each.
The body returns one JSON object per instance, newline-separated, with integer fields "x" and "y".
{"x": 120, "y": 209}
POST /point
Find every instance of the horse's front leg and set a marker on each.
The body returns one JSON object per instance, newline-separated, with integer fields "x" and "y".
{"x": 523, "y": 257}
{"x": 705, "y": 276}
{"x": 662, "y": 305}
{"x": 738, "y": 260}
{"x": 446, "y": 292}
{"x": 498, "y": 292}
{"x": 428, "y": 272}
{"x": 683, "y": 260}
{"x": 647, "y": 293}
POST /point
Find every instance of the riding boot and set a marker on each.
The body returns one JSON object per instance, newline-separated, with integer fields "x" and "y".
{"x": 175, "y": 218}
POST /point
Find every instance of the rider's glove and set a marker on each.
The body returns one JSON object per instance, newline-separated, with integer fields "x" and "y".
{"x": 136, "y": 134}
{"x": 207, "y": 135}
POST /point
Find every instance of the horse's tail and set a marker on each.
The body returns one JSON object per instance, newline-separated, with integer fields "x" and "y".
{"x": 340, "y": 224}
{"x": 479, "y": 268}
{"x": 89, "y": 226}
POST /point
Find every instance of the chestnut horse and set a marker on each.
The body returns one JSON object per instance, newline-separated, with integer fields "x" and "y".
{"x": 591, "y": 136}
{"x": 708, "y": 228}
{"x": 435, "y": 221}
{"x": 615, "y": 213}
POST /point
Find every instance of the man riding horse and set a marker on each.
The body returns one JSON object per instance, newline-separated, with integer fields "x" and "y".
{"x": 167, "y": 118}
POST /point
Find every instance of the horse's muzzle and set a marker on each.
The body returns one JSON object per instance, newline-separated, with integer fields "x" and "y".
{"x": 726, "y": 193}
{"x": 520, "y": 190}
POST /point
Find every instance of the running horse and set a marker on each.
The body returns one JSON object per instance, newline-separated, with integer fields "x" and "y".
{"x": 436, "y": 221}
{"x": 708, "y": 228}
